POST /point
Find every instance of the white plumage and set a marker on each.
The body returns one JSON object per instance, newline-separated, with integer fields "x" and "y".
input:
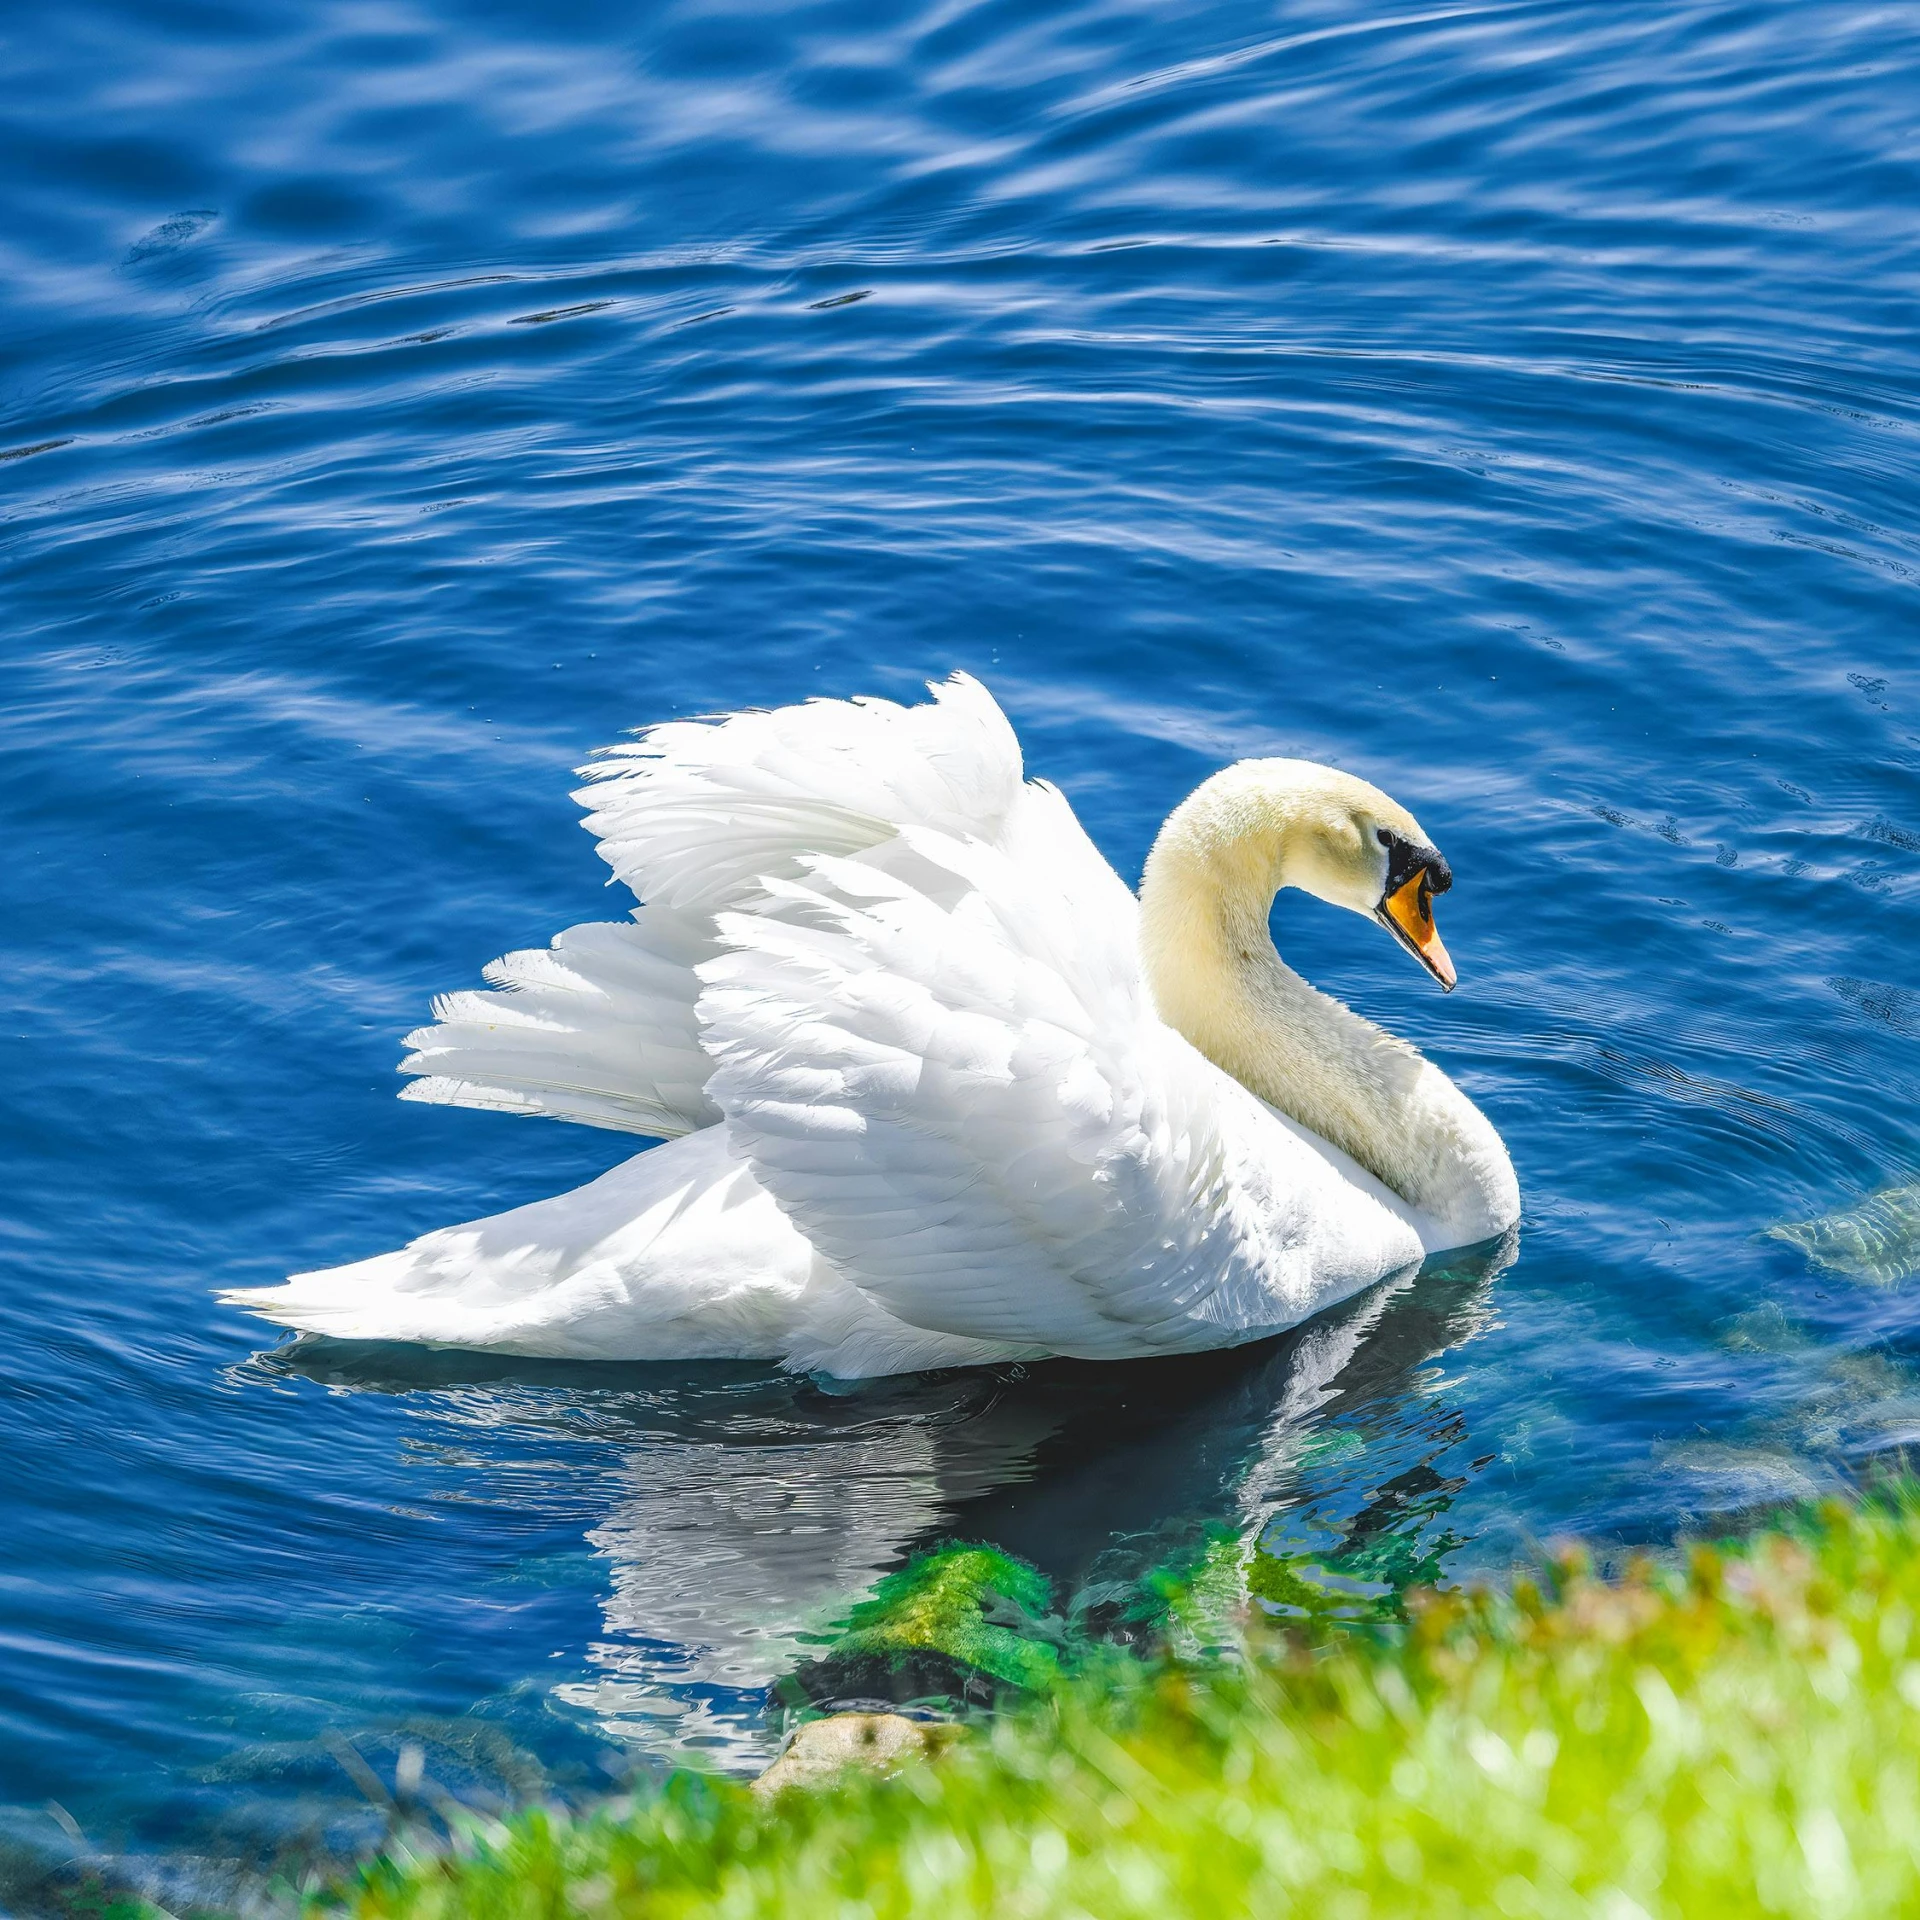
{"x": 888, "y": 1003}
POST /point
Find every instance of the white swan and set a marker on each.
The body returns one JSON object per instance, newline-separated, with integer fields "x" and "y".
{"x": 936, "y": 1089}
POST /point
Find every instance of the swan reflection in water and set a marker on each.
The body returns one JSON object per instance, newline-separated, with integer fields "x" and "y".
{"x": 753, "y": 1507}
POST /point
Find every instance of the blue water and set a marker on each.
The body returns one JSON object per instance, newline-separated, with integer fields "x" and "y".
{"x": 1519, "y": 404}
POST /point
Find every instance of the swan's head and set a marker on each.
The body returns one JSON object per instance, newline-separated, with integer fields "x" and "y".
{"x": 1347, "y": 842}
{"x": 1266, "y": 824}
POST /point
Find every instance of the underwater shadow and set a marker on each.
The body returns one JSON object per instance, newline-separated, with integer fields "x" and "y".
{"x": 751, "y": 1505}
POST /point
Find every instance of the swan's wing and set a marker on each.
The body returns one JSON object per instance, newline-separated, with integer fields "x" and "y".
{"x": 942, "y": 1060}
{"x": 599, "y": 1028}
{"x": 696, "y": 816}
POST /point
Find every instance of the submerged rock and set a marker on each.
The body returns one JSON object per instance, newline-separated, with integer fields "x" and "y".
{"x": 823, "y": 1748}
{"x": 1877, "y": 1241}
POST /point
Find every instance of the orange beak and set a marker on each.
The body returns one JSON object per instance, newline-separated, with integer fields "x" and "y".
{"x": 1408, "y": 915}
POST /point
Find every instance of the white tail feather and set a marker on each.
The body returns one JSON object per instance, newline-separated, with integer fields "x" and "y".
{"x": 676, "y": 1253}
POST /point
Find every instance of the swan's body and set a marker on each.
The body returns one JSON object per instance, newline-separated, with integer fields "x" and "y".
{"x": 937, "y": 1089}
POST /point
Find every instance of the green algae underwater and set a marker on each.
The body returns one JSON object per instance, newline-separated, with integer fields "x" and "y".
{"x": 1732, "y": 1731}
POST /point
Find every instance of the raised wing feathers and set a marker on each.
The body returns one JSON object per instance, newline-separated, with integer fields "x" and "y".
{"x": 695, "y": 816}
{"x": 599, "y": 1029}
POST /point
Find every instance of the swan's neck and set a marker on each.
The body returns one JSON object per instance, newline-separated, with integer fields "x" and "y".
{"x": 1217, "y": 979}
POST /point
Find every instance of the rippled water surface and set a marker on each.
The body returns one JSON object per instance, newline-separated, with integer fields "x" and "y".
{"x": 1515, "y": 403}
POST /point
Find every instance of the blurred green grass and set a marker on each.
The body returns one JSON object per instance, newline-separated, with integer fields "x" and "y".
{"x": 1737, "y": 1734}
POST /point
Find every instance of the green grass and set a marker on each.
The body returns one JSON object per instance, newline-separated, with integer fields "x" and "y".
{"x": 1741, "y": 1735}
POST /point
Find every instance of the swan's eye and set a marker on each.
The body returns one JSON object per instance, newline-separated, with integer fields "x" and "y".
{"x": 1383, "y": 836}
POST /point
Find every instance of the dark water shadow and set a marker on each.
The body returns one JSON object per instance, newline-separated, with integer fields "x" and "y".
{"x": 750, "y": 1506}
